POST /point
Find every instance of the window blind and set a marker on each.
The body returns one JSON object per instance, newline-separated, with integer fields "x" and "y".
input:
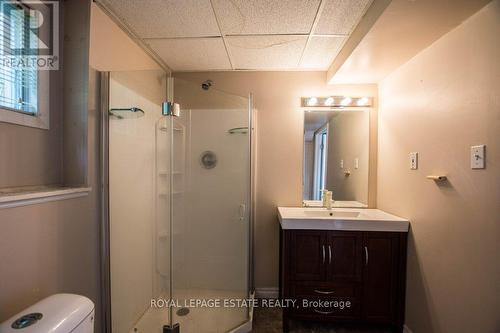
{"x": 18, "y": 85}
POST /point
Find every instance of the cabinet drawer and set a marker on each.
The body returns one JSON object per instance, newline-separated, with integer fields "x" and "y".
{"x": 325, "y": 289}
{"x": 328, "y": 308}
{"x": 326, "y": 299}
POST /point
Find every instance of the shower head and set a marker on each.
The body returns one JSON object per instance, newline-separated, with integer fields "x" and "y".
{"x": 205, "y": 85}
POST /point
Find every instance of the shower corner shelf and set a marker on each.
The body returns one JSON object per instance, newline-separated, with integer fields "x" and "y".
{"x": 178, "y": 129}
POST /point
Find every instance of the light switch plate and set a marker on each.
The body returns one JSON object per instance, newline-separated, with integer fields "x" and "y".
{"x": 356, "y": 163}
{"x": 477, "y": 157}
{"x": 413, "y": 160}
{"x": 341, "y": 164}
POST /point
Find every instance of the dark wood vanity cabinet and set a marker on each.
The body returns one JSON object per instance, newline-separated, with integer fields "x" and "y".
{"x": 364, "y": 269}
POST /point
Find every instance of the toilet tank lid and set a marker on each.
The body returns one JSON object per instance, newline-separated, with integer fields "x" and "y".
{"x": 61, "y": 313}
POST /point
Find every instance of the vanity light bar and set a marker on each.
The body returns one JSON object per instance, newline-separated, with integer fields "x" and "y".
{"x": 337, "y": 102}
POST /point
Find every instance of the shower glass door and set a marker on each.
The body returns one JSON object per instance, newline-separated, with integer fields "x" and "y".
{"x": 209, "y": 198}
{"x": 179, "y": 205}
{"x": 138, "y": 247}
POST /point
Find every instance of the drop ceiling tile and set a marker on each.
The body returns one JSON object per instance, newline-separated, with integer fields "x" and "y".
{"x": 341, "y": 16}
{"x": 321, "y": 51}
{"x": 191, "y": 54}
{"x": 266, "y": 52}
{"x": 167, "y": 18}
{"x": 240, "y": 17}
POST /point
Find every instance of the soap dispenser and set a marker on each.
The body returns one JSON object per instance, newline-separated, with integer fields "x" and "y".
{"x": 323, "y": 197}
{"x": 329, "y": 199}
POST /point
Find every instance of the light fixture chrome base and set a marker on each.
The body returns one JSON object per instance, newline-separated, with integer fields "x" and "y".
{"x": 170, "y": 109}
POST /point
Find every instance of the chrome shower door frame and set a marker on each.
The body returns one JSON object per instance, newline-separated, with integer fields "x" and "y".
{"x": 105, "y": 281}
{"x": 104, "y": 236}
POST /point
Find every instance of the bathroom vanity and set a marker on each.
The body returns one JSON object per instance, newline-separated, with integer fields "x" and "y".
{"x": 344, "y": 264}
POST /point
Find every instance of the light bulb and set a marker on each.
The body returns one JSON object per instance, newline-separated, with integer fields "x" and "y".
{"x": 329, "y": 101}
{"x": 346, "y": 101}
{"x": 362, "y": 101}
{"x": 312, "y": 101}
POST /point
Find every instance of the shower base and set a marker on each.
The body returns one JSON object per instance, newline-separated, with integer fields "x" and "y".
{"x": 199, "y": 319}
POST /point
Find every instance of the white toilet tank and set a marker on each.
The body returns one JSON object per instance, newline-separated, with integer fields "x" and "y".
{"x": 60, "y": 313}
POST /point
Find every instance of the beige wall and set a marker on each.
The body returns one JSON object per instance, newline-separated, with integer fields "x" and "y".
{"x": 33, "y": 156}
{"x": 53, "y": 247}
{"x": 280, "y": 146}
{"x": 348, "y": 139}
{"x": 111, "y": 49}
{"x": 75, "y": 92}
{"x": 440, "y": 103}
{"x": 57, "y": 155}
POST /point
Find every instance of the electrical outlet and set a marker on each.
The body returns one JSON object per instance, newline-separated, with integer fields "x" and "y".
{"x": 477, "y": 155}
{"x": 413, "y": 160}
{"x": 341, "y": 164}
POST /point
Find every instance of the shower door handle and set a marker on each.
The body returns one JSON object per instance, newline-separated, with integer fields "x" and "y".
{"x": 243, "y": 209}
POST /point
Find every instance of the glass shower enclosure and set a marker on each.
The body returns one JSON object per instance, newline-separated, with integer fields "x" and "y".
{"x": 178, "y": 205}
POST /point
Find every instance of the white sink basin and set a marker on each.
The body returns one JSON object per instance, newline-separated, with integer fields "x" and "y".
{"x": 360, "y": 219}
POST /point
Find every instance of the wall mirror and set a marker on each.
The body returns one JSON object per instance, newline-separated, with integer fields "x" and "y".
{"x": 336, "y": 157}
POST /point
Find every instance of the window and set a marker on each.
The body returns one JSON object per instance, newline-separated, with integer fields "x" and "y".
{"x": 320, "y": 154}
{"x": 20, "y": 86}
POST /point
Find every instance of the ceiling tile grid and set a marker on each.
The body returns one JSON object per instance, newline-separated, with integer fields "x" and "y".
{"x": 321, "y": 51}
{"x": 341, "y": 16}
{"x": 265, "y": 17}
{"x": 266, "y": 52}
{"x": 192, "y": 54}
{"x": 167, "y": 18}
{"x": 244, "y": 34}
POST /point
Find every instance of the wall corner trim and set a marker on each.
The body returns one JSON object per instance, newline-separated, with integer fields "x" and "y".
{"x": 24, "y": 198}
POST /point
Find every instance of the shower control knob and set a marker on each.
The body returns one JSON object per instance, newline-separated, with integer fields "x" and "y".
{"x": 208, "y": 159}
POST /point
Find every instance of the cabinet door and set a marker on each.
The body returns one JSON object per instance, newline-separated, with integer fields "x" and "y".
{"x": 381, "y": 251}
{"x": 308, "y": 255}
{"x": 344, "y": 256}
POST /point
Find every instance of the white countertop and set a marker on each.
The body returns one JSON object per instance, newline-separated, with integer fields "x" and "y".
{"x": 360, "y": 219}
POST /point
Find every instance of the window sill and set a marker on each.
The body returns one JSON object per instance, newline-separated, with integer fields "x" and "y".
{"x": 22, "y": 196}
{"x": 40, "y": 121}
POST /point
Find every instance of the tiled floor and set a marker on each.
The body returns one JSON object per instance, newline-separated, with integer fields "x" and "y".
{"x": 268, "y": 320}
